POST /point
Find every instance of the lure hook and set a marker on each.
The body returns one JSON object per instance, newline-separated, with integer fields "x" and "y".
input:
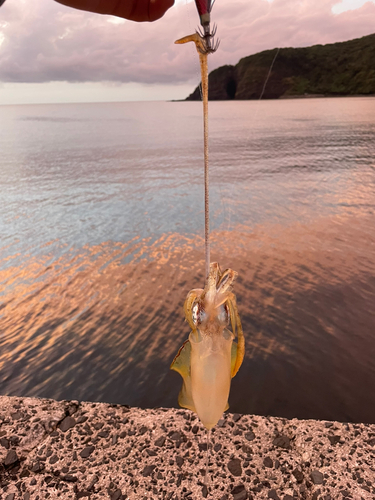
{"x": 204, "y": 8}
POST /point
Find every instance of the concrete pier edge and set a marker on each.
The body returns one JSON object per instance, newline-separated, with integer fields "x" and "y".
{"x": 70, "y": 450}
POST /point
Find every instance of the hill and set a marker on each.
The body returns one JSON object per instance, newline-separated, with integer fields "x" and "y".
{"x": 337, "y": 69}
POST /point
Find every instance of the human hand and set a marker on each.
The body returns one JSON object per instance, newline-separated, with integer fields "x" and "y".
{"x": 134, "y": 10}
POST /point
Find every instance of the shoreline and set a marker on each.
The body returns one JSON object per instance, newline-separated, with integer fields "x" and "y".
{"x": 283, "y": 98}
{"x": 71, "y": 449}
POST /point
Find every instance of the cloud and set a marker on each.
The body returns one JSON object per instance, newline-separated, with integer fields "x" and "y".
{"x": 44, "y": 41}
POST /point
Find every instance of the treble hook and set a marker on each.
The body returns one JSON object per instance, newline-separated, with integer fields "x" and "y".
{"x": 210, "y": 43}
{"x": 204, "y": 8}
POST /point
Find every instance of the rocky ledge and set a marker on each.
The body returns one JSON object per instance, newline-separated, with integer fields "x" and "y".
{"x": 70, "y": 449}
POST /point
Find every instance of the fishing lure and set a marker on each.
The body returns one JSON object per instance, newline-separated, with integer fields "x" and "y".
{"x": 204, "y": 8}
{"x": 209, "y": 359}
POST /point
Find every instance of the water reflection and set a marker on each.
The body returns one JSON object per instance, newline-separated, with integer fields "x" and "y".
{"x": 100, "y": 209}
{"x": 103, "y": 322}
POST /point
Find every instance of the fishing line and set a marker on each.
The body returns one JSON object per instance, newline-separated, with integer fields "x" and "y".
{"x": 269, "y": 74}
{"x": 254, "y": 118}
{"x": 206, "y": 174}
{"x": 203, "y": 90}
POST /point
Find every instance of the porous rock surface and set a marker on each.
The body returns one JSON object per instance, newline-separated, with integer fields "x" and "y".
{"x": 71, "y": 450}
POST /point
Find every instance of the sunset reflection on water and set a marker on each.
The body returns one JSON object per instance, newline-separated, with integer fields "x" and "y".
{"x": 96, "y": 325}
{"x": 100, "y": 241}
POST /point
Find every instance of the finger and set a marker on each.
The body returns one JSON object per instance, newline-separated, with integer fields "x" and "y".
{"x": 134, "y": 10}
{"x": 142, "y": 10}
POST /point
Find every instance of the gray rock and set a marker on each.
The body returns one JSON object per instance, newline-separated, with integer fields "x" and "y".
{"x": 37, "y": 467}
{"x": 334, "y": 439}
{"x": 175, "y": 436}
{"x": 86, "y": 452}
{"x": 242, "y": 495}
{"x": 239, "y": 492}
{"x": 160, "y": 441}
{"x": 10, "y": 496}
{"x": 316, "y": 477}
{"x": 4, "y": 442}
{"x": 116, "y": 495}
{"x": 234, "y": 467}
{"x": 267, "y": 462}
{"x": 298, "y": 475}
{"x": 67, "y": 423}
{"x": 53, "y": 459}
{"x": 238, "y": 488}
{"x": 94, "y": 480}
{"x": 148, "y": 470}
{"x": 69, "y": 478}
{"x": 17, "y": 415}
{"x": 11, "y": 458}
{"x": 272, "y": 494}
{"x": 250, "y": 436}
{"x": 281, "y": 441}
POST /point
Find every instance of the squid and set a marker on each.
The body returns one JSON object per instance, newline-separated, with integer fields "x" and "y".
{"x": 210, "y": 358}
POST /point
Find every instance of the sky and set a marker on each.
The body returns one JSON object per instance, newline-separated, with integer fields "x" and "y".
{"x": 51, "y": 53}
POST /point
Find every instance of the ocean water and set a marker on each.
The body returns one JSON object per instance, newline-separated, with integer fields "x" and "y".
{"x": 101, "y": 238}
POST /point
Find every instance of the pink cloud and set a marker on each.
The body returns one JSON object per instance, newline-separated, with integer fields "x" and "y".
{"x": 44, "y": 41}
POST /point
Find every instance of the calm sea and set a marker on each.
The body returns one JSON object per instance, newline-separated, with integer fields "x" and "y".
{"x": 101, "y": 224}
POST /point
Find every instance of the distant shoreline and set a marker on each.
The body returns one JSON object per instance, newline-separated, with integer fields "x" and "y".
{"x": 338, "y": 69}
{"x": 282, "y": 98}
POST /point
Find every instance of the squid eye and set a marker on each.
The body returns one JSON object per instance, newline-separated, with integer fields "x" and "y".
{"x": 223, "y": 314}
{"x": 195, "y": 314}
{"x": 198, "y": 314}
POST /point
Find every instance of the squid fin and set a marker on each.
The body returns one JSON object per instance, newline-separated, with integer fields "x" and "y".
{"x": 181, "y": 365}
{"x": 237, "y": 328}
{"x": 233, "y": 357}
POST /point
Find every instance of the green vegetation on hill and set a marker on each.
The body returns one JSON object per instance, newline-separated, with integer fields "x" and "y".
{"x": 337, "y": 69}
